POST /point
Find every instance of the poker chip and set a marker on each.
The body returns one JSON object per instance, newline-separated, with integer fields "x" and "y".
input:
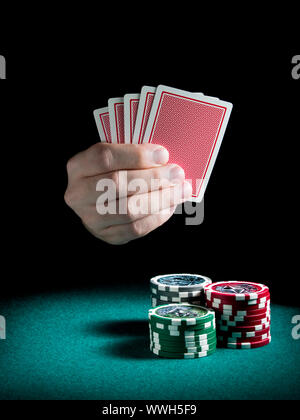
{"x": 242, "y": 323}
{"x": 248, "y": 345}
{"x": 236, "y": 291}
{"x": 237, "y": 318}
{"x": 187, "y": 325}
{"x": 191, "y": 294}
{"x": 206, "y": 336}
{"x": 243, "y": 328}
{"x": 245, "y": 334}
{"x": 260, "y": 299}
{"x": 229, "y": 309}
{"x": 180, "y": 282}
{"x": 178, "y": 288}
{"x": 184, "y": 348}
{"x": 190, "y": 355}
{"x": 181, "y": 314}
{"x": 182, "y": 331}
{"x": 206, "y": 347}
{"x": 185, "y": 345}
{"x": 243, "y": 313}
{"x": 225, "y": 339}
{"x": 238, "y": 312}
{"x": 176, "y": 299}
{"x": 182, "y": 343}
{"x": 165, "y": 327}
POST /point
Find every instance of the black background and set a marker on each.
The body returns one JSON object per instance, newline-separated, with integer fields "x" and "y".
{"x": 59, "y": 72}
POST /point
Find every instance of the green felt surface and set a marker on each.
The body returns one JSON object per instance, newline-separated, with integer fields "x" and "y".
{"x": 95, "y": 345}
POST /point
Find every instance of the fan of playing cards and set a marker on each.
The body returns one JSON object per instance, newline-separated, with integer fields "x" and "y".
{"x": 189, "y": 125}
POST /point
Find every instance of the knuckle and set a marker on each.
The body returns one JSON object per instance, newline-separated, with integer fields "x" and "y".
{"x": 70, "y": 165}
{"x": 115, "y": 178}
{"x": 73, "y": 195}
{"x": 157, "y": 179}
{"x": 131, "y": 208}
{"x": 140, "y": 152}
{"x": 104, "y": 154}
{"x": 68, "y": 197}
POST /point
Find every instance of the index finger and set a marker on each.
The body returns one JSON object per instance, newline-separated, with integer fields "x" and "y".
{"x": 104, "y": 157}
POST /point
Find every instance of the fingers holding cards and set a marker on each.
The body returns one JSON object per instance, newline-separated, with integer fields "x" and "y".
{"x": 116, "y": 119}
{"x": 131, "y": 103}
{"x": 101, "y": 116}
{"x": 189, "y": 125}
{"x": 145, "y": 105}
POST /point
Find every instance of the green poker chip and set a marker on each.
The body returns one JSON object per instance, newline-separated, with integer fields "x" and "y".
{"x": 182, "y": 343}
{"x": 182, "y": 328}
{"x": 183, "y": 339}
{"x": 183, "y": 314}
{"x": 190, "y": 355}
{"x": 184, "y": 347}
{"x": 179, "y": 326}
{"x": 183, "y": 334}
{"x": 184, "y": 350}
{"x": 168, "y": 327}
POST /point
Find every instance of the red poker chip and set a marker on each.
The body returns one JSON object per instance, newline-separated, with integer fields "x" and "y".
{"x": 244, "y": 323}
{"x": 220, "y": 299}
{"x": 248, "y": 302}
{"x": 245, "y": 334}
{"x": 242, "y": 312}
{"x": 246, "y": 318}
{"x": 236, "y": 290}
{"x": 243, "y": 304}
{"x": 210, "y": 291}
{"x": 223, "y": 339}
{"x": 222, "y": 307}
{"x": 247, "y": 345}
{"x": 242, "y": 328}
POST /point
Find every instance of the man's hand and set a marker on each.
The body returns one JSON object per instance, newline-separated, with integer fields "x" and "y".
{"x": 113, "y": 162}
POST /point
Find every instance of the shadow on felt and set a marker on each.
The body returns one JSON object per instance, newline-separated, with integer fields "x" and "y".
{"x": 134, "y": 335}
{"x": 122, "y": 328}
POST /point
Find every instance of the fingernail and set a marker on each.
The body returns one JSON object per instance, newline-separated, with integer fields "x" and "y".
{"x": 160, "y": 156}
{"x": 176, "y": 174}
{"x": 186, "y": 189}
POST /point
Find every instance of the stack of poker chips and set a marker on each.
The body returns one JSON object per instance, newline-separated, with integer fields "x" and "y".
{"x": 242, "y": 313}
{"x": 178, "y": 288}
{"x": 182, "y": 331}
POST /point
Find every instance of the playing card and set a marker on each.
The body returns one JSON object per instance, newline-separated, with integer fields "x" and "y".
{"x": 116, "y": 118}
{"x": 145, "y": 104}
{"x": 131, "y": 103}
{"x": 101, "y": 116}
{"x": 147, "y": 109}
{"x": 191, "y": 127}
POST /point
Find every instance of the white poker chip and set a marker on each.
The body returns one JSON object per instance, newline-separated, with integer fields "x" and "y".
{"x": 178, "y": 283}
